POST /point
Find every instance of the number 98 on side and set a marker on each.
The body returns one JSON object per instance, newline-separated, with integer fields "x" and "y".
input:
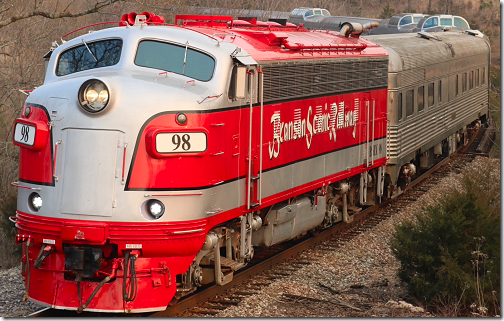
{"x": 183, "y": 142}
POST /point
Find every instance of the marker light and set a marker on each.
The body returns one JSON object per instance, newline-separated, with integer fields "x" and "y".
{"x": 155, "y": 208}
{"x": 93, "y": 96}
{"x": 27, "y": 111}
{"x": 35, "y": 201}
{"x": 181, "y": 119}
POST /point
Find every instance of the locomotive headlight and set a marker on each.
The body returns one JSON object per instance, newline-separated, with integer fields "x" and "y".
{"x": 93, "y": 96}
{"x": 155, "y": 208}
{"x": 35, "y": 201}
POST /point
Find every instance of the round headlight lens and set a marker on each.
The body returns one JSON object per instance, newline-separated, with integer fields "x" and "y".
{"x": 103, "y": 96}
{"x": 155, "y": 208}
{"x": 93, "y": 96}
{"x": 35, "y": 201}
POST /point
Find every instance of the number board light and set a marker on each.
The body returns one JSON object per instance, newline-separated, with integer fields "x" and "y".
{"x": 30, "y": 135}
{"x": 24, "y": 134}
{"x": 181, "y": 142}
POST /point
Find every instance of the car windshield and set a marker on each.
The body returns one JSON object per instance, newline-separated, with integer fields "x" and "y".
{"x": 89, "y": 55}
{"x": 175, "y": 58}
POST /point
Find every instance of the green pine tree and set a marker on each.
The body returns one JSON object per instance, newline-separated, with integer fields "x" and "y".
{"x": 387, "y": 12}
{"x": 452, "y": 251}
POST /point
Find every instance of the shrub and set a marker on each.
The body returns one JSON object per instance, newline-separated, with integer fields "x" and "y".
{"x": 452, "y": 251}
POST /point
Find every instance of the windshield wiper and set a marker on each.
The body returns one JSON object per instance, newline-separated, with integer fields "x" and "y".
{"x": 85, "y": 44}
{"x": 185, "y": 57}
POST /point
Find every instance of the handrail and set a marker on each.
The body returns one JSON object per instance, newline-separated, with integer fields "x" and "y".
{"x": 93, "y": 25}
{"x": 16, "y": 184}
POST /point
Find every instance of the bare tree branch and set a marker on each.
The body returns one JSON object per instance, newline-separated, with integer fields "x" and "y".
{"x": 57, "y": 15}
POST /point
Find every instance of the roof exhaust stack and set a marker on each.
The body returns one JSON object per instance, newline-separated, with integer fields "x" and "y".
{"x": 355, "y": 28}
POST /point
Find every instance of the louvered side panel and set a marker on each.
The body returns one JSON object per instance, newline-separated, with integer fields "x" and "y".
{"x": 302, "y": 80}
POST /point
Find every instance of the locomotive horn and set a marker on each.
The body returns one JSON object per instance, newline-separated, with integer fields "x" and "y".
{"x": 148, "y": 16}
{"x": 131, "y": 18}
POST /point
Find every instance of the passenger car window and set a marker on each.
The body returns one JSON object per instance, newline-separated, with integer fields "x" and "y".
{"x": 440, "y": 93}
{"x": 431, "y": 22}
{"x": 471, "y": 80}
{"x": 430, "y": 94}
{"x": 420, "y": 97}
{"x": 464, "y": 82}
{"x": 399, "y": 107}
{"x": 174, "y": 58}
{"x": 461, "y": 23}
{"x": 477, "y": 77}
{"x": 456, "y": 86}
{"x": 483, "y": 77}
{"x": 409, "y": 103}
{"x": 446, "y": 22}
{"x": 104, "y": 53}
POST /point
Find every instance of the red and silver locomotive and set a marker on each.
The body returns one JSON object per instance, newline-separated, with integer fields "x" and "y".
{"x": 155, "y": 157}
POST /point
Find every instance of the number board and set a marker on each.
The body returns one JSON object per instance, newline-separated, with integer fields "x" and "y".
{"x": 184, "y": 142}
{"x": 24, "y": 134}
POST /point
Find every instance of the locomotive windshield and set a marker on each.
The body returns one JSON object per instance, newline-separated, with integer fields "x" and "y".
{"x": 89, "y": 56}
{"x": 173, "y": 58}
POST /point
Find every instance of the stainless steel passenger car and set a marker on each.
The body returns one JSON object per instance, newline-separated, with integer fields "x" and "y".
{"x": 438, "y": 86}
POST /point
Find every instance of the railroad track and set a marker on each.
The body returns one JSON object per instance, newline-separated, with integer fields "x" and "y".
{"x": 281, "y": 260}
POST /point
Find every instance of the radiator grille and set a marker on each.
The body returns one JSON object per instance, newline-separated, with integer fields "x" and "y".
{"x": 304, "y": 79}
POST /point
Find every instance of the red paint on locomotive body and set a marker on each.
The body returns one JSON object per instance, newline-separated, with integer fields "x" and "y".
{"x": 292, "y": 131}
